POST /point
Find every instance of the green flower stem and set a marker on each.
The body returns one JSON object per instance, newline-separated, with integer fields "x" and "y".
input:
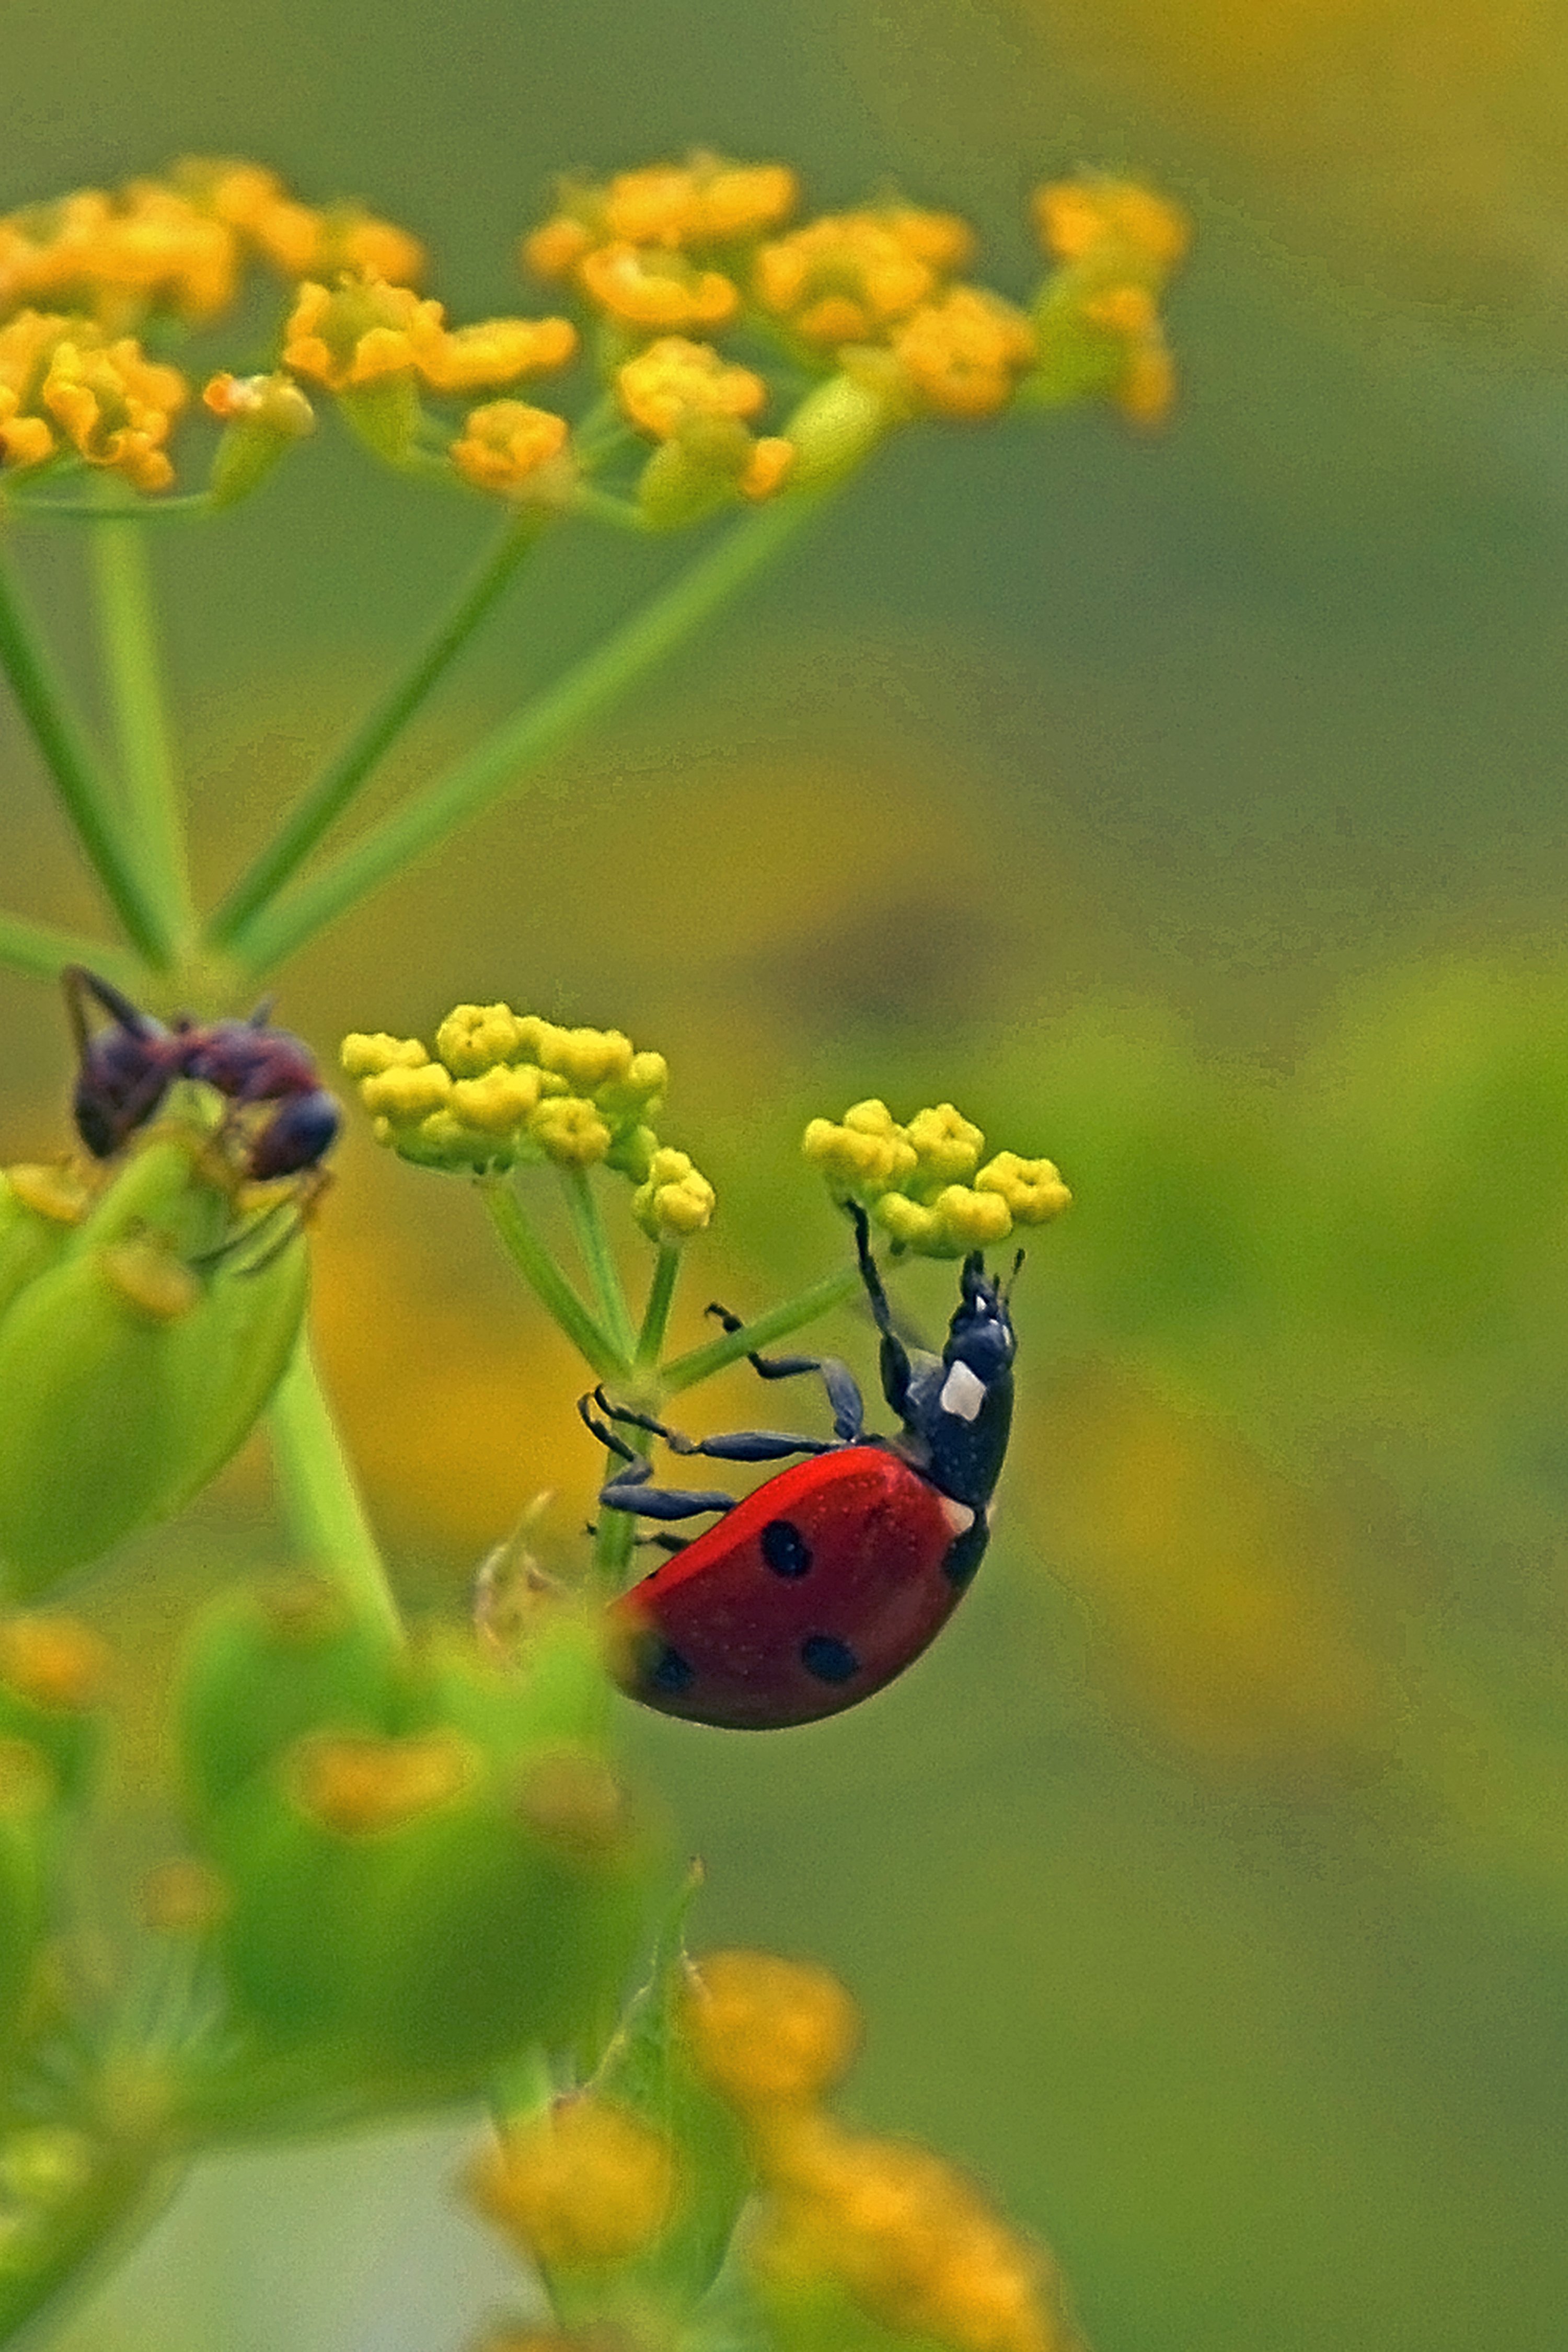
{"x": 547, "y": 1282}
{"x": 191, "y": 508}
{"x": 43, "y": 952}
{"x": 527, "y": 738}
{"x": 777, "y": 1324}
{"x": 85, "y": 791}
{"x": 655, "y": 1315}
{"x": 588, "y": 1229}
{"x": 327, "y": 797}
{"x": 320, "y": 1499}
{"x": 615, "y": 1535}
{"x": 124, "y": 584}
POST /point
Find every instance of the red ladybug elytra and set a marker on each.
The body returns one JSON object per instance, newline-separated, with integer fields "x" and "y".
{"x": 834, "y": 1575}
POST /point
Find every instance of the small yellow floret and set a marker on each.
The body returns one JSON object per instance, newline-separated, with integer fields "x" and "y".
{"x": 769, "y": 467}
{"x": 365, "y": 1055}
{"x": 493, "y": 353}
{"x": 674, "y": 380}
{"x": 474, "y": 1037}
{"x": 359, "y": 331}
{"x": 498, "y": 1103}
{"x": 273, "y": 401}
{"x": 1033, "y": 1188}
{"x": 947, "y": 1145}
{"x": 849, "y": 276}
{"x": 116, "y": 407}
{"x": 909, "y": 2239}
{"x": 676, "y": 1201}
{"x": 963, "y": 354}
{"x": 570, "y": 1131}
{"x": 703, "y": 201}
{"x": 555, "y": 249}
{"x": 768, "y": 2032}
{"x": 647, "y": 288}
{"x": 581, "y": 2186}
{"x": 507, "y": 445}
{"x": 1077, "y": 218}
{"x": 590, "y": 1058}
{"x": 407, "y": 1092}
{"x": 863, "y": 1154}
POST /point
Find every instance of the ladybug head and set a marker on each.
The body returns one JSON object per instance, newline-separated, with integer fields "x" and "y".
{"x": 980, "y": 1335}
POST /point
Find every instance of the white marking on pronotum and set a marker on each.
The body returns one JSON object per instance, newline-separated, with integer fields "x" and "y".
{"x": 959, "y": 1516}
{"x": 962, "y": 1393}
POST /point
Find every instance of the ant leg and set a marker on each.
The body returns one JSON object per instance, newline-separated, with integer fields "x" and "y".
{"x": 843, "y": 1391}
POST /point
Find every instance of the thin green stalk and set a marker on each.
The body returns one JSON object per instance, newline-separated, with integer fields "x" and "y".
{"x": 776, "y": 1324}
{"x": 41, "y": 950}
{"x": 588, "y": 1230}
{"x": 547, "y": 1282}
{"x": 85, "y": 791}
{"x": 321, "y": 1500}
{"x": 655, "y": 1315}
{"x": 21, "y": 508}
{"x": 330, "y": 793}
{"x": 122, "y": 581}
{"x": 528, "y": 738}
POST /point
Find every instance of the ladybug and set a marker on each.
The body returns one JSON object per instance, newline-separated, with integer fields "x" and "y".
{"x": 834, "y": 1575}
{"x": 124, "y": 1071}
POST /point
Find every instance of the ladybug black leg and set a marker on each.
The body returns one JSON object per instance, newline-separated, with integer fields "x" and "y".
{"x": 738, "y": 1445}
{"x": 629, "y": 1489}
{"x": 896, "y": 1369}
{"x": 843, "y": 1391}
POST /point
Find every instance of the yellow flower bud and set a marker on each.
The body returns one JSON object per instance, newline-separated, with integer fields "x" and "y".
{"x": 508, "y": 447}
{"x": 569, "y": 1132}
{"x": 676, "y": 1201}
{"x": 584, "y": 2185}
{"x": 366, "y": 1056}
{"x": 674, "y": 379}
{"x": 590, "y": 1058}
{"x": 948, "y": 1145}
{"x": 498, "y": 1103}
{"x": 1033, "y": 1188}
{"x": 908, "y": 1225}
{"x": 864, "y": 1153}
{"x": 766, "y": 2032}
{"x": 405, "y": 1094}
{"x": 474, "y": 1037}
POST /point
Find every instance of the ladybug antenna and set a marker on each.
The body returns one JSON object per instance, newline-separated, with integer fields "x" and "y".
{"x": 1012, "y": 1279}
{"x": 263, "y": 1012}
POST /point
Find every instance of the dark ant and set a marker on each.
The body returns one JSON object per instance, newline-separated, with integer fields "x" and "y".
{"x": 124, "y": 1071}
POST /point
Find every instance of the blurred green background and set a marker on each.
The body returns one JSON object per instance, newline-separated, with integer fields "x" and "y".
{"x": 1191, "y": 810}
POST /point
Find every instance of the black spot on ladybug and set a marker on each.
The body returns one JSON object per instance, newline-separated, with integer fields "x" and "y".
{"x": 829, "y": 1660}
{"x": 670, "y": 1670}
{"x": 966, "y": 1551}
{"x": 785, "y": 1548}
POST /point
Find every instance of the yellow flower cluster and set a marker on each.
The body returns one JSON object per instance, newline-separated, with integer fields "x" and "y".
{"x": 182, "y": 244}
{"x": 900, "y": 2236}
{"x": 505, "y": 1090}
{"x": 365, "y": 329}
{"x": 583, "y": 2185}
{"x": 924, "y": 1183}
{"x": 1118, "y": 244}
{"x": 873, "y": 296}
{"x": 64, "y": 383}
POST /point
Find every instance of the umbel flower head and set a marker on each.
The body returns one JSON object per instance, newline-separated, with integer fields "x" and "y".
{"x": 664, "y": 262}
{"x": 924, "y": 1182}
{"x": 504, "y": 1089}
{"x": 708, "y": 2105}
